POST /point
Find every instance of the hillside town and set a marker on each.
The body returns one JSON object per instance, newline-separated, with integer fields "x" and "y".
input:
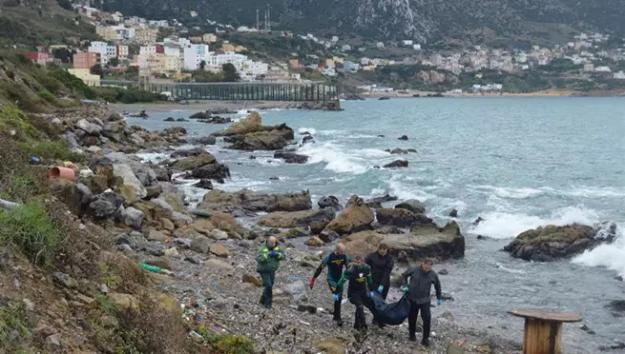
{"x": 134, "y": 48}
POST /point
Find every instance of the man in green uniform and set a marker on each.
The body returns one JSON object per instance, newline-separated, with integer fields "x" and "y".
{"x": 358, "y": 291}
{"x": 268, "y": 259}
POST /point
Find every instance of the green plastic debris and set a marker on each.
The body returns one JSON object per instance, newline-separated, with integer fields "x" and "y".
{"x": 150, "y": 268}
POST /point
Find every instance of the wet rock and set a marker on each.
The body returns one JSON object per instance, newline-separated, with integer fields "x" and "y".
{"x": 328, "y": 236}
{"x": 249, "y": 124}
{"x": 403, "y": 137}
{"x": 453, "y": 213}
{"x": 397, "y": 164}
{"x": 106, "y": 205}
{"x": 182, "y": 120}
{"x": 169, "y": 119}
{"x": 246, "y": 200}
{"x": 272, "y": 138}
{"x": 378, "y": 201}
{"x": 478, "y": 220}
{"x": 205, "y": 140}
{"x": 398, "y": 151}
{"x": 290, "y": 157}
{"x": 193, "y": 160}
{"x": 316, "y": 220}
{"x": 424, "y": 241}
{"x": 308, "y": 139}
{"x": 204, "y": 184}
{"x": 214, "y": 171}
{"x": 331, "y": 202}
{"x": 617, "y": 307}
{"x": 413, "y": 205}
{"x": 64, "y": 280}
{"x": 401, "y": 217}
{"x": 356, "y": 216}
{"x": 133, "y": 217}
{"x": 551, "y": 242}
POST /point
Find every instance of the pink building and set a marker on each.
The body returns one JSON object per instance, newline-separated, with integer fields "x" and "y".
{"x": 86, "y": 60}
{"x": 39, "y": 57}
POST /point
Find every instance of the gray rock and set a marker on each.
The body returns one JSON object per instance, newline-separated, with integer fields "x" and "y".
{"x": 88, "y": 127}
{"x": 330, "y": 202}
{"x": 64, "y": 280}
{"x": 133, "y": 217}
{"x": 218, "y": 235}
{"x": 106, "y": 205}
{"x": 201, "y": 245}
{"x": 155, "y": 235}
{"x": 125, "y": 172}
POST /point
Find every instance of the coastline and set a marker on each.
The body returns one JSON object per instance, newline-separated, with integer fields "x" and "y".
{"x": 213, "y": 106}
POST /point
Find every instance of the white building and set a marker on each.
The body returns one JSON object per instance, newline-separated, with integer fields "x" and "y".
{"x": 194, "y": 55}
{"x": 106, "y": 51}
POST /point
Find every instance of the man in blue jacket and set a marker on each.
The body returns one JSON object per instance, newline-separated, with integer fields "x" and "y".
{"x": 268, "y": 259}
{"x": 418, "y": 285}
{"x": 336, "y": 262}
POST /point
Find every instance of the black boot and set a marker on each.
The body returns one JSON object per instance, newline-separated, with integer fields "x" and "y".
{"x": 425, "y": 342}
{"x": 412, "y": 338}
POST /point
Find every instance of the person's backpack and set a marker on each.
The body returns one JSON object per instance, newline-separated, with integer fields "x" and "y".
{"x": 394, "y": 313}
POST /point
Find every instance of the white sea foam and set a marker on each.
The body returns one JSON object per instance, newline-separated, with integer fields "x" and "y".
{"x": 512, "y": 193}
{"x": 405, "y": 191}
{"x": 504, "y": 225}
{"x": 303, "y": 130}
{"x": 337, "y": 158}
{"x": 597, "y": 192}
{"x": 611, "y": 256}
{"x": 153, "y": 157}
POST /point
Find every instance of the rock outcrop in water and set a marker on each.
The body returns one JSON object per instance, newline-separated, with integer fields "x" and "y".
{"x": 423, "y": 241}
{"x": 249, "y": 134}
{"x": 552, "y": 242}
{"x": 357, "y": 216}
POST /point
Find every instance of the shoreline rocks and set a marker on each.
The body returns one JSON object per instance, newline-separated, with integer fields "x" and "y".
{"x": 549, "y": 243}
{"x": 245, "y": 201}
{"x": 357, "y": 216}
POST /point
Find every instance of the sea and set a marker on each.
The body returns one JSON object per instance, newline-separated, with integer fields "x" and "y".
{"x": 516, "y": 162}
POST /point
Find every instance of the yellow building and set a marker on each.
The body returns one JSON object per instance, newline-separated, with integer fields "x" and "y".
{"x": 86, "y": 76}
{"x": 209, "y": 38}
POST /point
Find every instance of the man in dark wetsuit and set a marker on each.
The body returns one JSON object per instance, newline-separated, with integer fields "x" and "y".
{"x": 381, "y": 263}
{"x": 418, "y": 285}
{"x": 336, "y": 262}
{"x": 358, "y": 274}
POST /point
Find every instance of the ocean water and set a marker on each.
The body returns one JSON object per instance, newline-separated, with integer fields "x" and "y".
{"x": 518, "y": 163}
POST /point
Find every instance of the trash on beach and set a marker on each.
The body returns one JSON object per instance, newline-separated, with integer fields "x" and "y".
{"x": 60, "y": 172}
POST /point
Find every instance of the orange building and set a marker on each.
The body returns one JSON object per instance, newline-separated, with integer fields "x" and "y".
{"x": 86, "y": 60}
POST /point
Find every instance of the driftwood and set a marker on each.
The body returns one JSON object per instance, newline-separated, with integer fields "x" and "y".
{"x": 7, "y": 205}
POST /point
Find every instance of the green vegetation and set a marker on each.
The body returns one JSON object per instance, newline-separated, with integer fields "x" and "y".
{"x": 29, "y": 227}
{"x": 13, "y": 327}
{"x": 227, "y": 343}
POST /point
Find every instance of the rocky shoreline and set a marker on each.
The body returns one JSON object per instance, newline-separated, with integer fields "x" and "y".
{"x": 207, "y": 251}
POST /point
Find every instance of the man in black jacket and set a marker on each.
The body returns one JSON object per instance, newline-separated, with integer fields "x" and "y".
{"x": 336, "y": 262}
{"x": 381, "y": 263}
{"x": 418, "y": 283}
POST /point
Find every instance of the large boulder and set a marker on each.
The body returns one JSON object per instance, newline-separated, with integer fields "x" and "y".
{"x": 400, "y": 217}
{"x": 215, "y": 171}
{"x": 357, "y": 216}
{"x": 89, "y": 127}
{"x": 552, "y": 242}
{"x": 413, "y": 205}
{"x": 270, "y": 138}
{"x": 249, "y": 124}
{"x": 106, "y": 205}
{"x": 249, "y": 201}
{"x": 192, "y": 161}
{"x": 218, "y": 221}
{"x": 330, "y": 202}
{"x": 132, "y": 189}
{"x": 290, "y": 157}
{"x": 424, "y": 241}
{"x": 316, "y": 220}
{"x": 133, "y": 217}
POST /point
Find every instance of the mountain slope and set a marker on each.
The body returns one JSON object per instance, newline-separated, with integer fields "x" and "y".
{"x": 423, "y": 20}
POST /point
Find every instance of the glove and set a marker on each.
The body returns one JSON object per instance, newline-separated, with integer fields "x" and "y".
{"x": 380, "y": 289}
{"x": 311, "y": 282}
{"x": 371, "y": 294}
{"x": 335, "y": 297}
{"x": 439, "y": 302}
{"x": 272, "y": 253}
{"x": 405, "y": 289}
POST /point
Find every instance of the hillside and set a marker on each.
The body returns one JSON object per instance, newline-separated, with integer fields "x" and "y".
{"x": 423, "y": 20}
{"x": 40, "y": 22}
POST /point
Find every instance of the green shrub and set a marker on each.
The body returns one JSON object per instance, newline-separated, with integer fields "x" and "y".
{"x": 52, "y": 149}
{"x": 29, "y": 227}
{"x": 13, "y": 120}
{"x": 48, "y": 96}
{"x": 227, "y": 343}
{"x": 13, "y": 327}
